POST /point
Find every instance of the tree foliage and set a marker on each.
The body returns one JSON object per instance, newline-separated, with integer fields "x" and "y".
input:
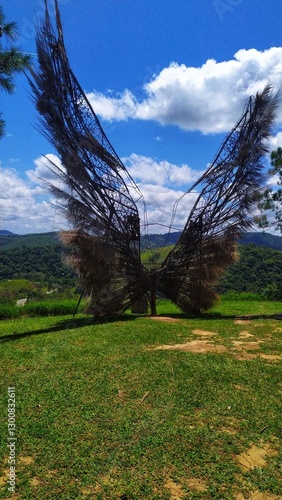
{"x": 259, "y": 269}
{"x": 12, "y": 60}
{"x": 42, "y": 264}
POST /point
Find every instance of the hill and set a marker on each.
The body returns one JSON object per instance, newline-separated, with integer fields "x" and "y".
{"x": 258, "y": 238}
{"x": 38, "y": 257}
{"x": 258, "y": 270}
{"x": 42, "y": 263}
{"x": 10, "y": 240}
{"x": 3, "y": 232}
{"x": 263, "y": 240}
{"x": 28, "y": 240}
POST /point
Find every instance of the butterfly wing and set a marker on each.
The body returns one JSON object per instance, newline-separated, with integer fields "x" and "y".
{"x": 95, "y": 191}
{"x": 223, "y": 210}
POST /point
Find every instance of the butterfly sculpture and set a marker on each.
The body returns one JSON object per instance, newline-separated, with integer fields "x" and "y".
{"x": 99, "y": 197}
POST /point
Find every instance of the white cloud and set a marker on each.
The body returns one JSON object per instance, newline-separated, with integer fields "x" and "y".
{"x": 272, "y": 144}
{"x": 148, "y": 170}
{"x": 160, "y": 183}
{"x": 114, "y": 108}
{"x": 209, "y": 98}
{"x": 275, "y": 141}
{"x": 25, "y": 206}
{"x": 160, "y": 202}
{"x": 43, "y": 170}
{"x": 273, "y": 180}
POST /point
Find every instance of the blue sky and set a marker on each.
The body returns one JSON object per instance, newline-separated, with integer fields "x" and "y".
{"x": 168, "y": 80}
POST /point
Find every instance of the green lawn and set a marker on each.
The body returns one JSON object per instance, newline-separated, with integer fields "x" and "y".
{"x": 108, "y": 411}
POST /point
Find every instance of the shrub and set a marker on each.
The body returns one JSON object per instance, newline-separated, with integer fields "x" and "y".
{"x": 44, "y": 308}
{"x": 232, "y": 295}
{"x": 9, "y": 311}
{"x": 52, "y": 308}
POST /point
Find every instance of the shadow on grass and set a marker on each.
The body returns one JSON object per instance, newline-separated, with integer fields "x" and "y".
{"x": 72, "y": 324}
{"x": 69, "y": 324}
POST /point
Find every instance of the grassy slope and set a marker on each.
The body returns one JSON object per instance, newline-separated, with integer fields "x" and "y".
{"x": 155, "y": 256}
{"x": 84, "y": 432}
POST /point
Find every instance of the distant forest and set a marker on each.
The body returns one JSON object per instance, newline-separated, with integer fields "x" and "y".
{"x": 10, "y": 240}
{"x": 42, "y": 264}
{"x": 258, "y": 270}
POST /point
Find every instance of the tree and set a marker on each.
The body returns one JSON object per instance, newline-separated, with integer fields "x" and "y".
{"x": 272, "y": 199}
{"x": 12, "y": 60}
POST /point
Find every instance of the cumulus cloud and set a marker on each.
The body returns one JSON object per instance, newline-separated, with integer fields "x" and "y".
{"x": 26, "y": 206}
{"x": 113, "y": 108}
{"x": 148, "y": 170}
{"x": 42, "y": 172}
{"x": 160, "y": 202}
{"x": 209, "y": 98}
{"x": 162, "y": 184}
{"x": 275, "y": 142}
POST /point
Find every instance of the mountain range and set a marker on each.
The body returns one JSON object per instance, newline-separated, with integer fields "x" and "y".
{"x": 10, "y": 240}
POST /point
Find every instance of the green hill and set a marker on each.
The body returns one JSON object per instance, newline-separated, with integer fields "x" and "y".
{"x": 38, "y": 257}
{"x": 258, "y": 269}
{"x": 156, "y": 256}
{"x": 263, "y": 240}
{"x": 154, "y": 241}
{"x": 260, "y": 239}
{"x": 37, "y": 263}
{"x": 28, "y": 240}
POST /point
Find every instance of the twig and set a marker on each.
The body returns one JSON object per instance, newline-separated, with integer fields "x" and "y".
{"x": 144, "y": 397}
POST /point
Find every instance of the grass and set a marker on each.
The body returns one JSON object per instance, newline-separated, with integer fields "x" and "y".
{"x": 151, "y": 258}
{"x": 16, "y": 285}
{"x": 43, "y": 308}
{"x": 103, "y": 414}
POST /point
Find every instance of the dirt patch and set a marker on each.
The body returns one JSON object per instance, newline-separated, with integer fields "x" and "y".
{"x": 197, "y": 346}
{"x": 3, "y": 479}
{"x": 245, "y": 335}
{"x": 196, "y": 484}
{"x": 241, "y": 387}
{"x": 90, "y": 490}
{"x": 206, "y": 344}
{"x": 204, "y": 333}
{"x": 166, "y": 319}
{"x": 35, "y": 481}
{"x": 255, "y": 457}
{"x": 26, "y": 460}
{"x": 271, "y": 357}
{"x": 242, "y": 321}
{"x": 121, "y": 394}
{"x": 244, "y": 356}
{"x": 248, "y": 346}
{"x": 258, "y": 495}
{"x": 228, "y": 430}
{"x": 51, "y": 472}
{"x": 175, "y": 490}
